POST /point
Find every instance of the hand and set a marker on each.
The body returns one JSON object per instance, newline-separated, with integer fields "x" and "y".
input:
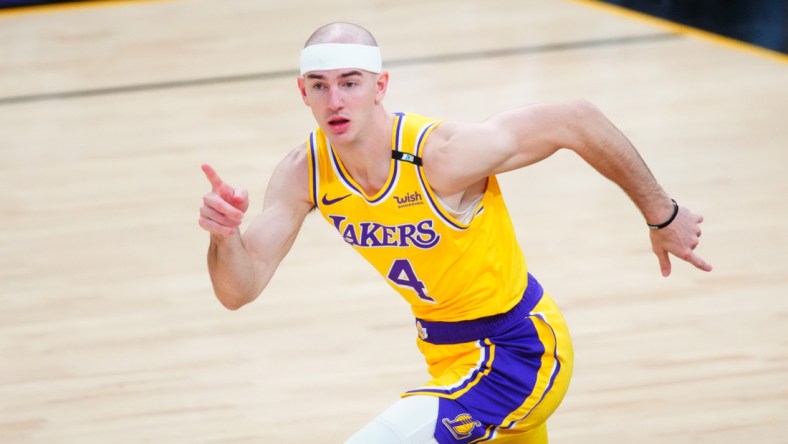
{"x": 224, "y": 207}
{"x": 679, "y": 239}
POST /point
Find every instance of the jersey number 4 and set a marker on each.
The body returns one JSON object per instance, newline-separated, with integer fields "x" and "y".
{"x": 402, "y": 274}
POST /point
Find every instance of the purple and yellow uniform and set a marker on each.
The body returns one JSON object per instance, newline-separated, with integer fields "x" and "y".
{"x": 496, "y": 346}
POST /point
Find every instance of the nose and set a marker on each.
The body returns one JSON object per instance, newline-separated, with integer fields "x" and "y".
{"x": 335, "y": 99}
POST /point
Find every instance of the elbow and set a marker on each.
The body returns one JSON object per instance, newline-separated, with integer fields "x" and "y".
{"x": 585, "y": 123}
{"x": 234, "y": 302}
{"x": 232, "y": 305}
{"x": 581, "y": 110}
{"x": 234, "y": 293}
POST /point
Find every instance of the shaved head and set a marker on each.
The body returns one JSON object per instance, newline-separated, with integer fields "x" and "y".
{"x": 341, "y": 33}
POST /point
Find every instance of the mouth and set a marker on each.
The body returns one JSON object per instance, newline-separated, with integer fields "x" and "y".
{"x": 338, "y": 122}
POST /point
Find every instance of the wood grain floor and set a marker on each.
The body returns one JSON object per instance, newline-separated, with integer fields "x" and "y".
{"x": 109, "y": 331}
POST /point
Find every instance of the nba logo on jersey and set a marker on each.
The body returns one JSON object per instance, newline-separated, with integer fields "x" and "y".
{"x": 461, "y": 426}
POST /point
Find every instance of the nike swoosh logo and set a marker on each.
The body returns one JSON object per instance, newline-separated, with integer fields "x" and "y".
{"x": 327, "y": 201}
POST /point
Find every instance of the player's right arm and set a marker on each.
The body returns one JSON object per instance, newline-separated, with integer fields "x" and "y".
{"x": 241, "y": 266}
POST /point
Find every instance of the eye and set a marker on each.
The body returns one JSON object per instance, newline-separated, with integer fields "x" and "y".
{"x": 350, "y": 84}
{"x": 317, "y": 86}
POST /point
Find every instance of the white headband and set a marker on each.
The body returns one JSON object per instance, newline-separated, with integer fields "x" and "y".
{"x": 340, "y": 55}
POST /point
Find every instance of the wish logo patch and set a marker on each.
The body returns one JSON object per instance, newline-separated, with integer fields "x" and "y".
{"x": 409, "y": 199}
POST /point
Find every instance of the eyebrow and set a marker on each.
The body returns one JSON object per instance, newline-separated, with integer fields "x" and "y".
{"x": 342, "y": 76}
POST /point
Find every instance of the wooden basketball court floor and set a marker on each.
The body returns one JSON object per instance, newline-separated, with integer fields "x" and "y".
{"x": 110, "y": 333}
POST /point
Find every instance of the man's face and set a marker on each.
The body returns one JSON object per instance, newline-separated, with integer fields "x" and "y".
{"x": 342, "y": 99}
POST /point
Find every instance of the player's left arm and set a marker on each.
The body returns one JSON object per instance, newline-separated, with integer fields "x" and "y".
{"x": 464, "y": 153}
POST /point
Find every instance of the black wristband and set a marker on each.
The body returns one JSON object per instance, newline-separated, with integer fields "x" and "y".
{"x": 667, "y": 222}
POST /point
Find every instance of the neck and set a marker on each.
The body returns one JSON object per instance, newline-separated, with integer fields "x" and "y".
{"x": 368, "y": 157}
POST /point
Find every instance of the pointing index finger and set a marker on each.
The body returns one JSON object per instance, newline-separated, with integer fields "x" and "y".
{"x": 210, "y": 173}
{"x": 698, "y": 262}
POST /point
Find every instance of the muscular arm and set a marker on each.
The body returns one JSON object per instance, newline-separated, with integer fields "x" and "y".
{"x": 520, "y": 137}
{"x": 241, "y": 266}
{"x": 462, "y": 154}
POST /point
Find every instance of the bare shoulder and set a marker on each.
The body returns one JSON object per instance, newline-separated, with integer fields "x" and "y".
{"x": 290, "y": 180}
{"x": 443, "y": 132}
{"x": 295, "y": 160}
{"x": 459, "y": 155}
{"x": 453, "y": 136}
{"x": 452, "y": 150}
{"x": 449, "y": 131}
{"x": 443, "y": 140}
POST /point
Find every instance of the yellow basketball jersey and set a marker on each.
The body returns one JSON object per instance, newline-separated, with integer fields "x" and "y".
{"x": 446, "y": 269}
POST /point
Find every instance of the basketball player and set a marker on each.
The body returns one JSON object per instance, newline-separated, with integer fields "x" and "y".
{"x": 419, "y": 199}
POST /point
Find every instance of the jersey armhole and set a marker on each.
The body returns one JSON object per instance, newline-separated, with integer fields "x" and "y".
{"x": 314, "y": 180}
{"x": 446, "y": 213}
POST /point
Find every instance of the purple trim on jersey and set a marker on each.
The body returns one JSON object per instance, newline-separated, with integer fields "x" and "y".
{"x": 338, "y": 169}
{"x": 349, "y": 183}
{"x": 475, "y": 329}
{"x": 315, "y": 173}
{"x": 400, "y": 124}
{"x": 435, "y": 206}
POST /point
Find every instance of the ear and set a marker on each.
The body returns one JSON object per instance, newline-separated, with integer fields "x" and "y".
{"x": 381, "y": 85}
{"x": 302, "y": 88}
